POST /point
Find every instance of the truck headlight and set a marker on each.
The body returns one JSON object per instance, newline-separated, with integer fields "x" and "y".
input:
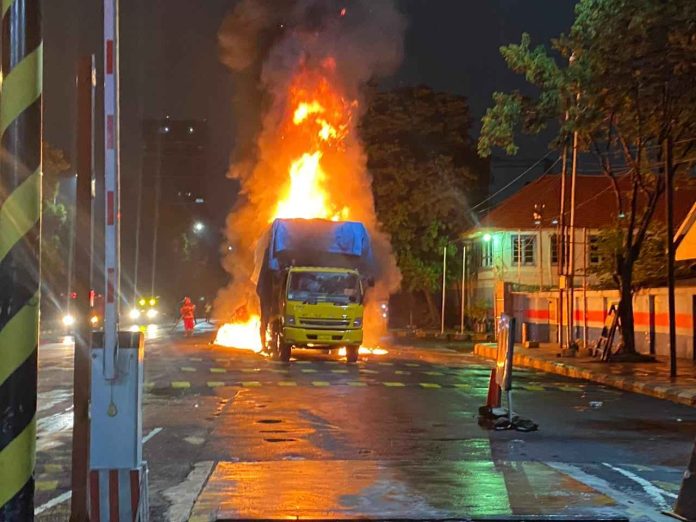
{"x": 357, "y": 322}
{"x": 68, "y": 320}
{"x": 151, "y": 313}
{"x": 289, "y": 319}
{"x": 134, "y": 313}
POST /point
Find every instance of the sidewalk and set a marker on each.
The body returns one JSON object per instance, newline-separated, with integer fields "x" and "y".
{"x": 646, "y": 378}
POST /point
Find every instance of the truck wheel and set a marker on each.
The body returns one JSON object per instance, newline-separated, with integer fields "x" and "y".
{"x": 352, "y": 353}
{"x": 283, "y": 351}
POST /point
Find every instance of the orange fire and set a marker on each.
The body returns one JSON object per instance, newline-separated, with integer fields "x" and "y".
{"x": 315, "y": 126}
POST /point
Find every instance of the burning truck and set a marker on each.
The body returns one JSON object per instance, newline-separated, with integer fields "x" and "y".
{"x": 311, "y": 286}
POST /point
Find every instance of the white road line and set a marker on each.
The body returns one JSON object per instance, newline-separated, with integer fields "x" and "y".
{"x": 654, "y": 492}
{"x": 66, "y": 496}
{"x": 634, "y": 508}
{"x": 53, "y": 502}
{"x": 184, "y": 495}
{"x": 152, "y": 433}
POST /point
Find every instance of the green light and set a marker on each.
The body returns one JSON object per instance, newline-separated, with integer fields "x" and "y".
{"x": 487, "y": 237}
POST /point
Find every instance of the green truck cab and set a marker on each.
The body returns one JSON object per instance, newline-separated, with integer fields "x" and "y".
{"x": 313, "y": 295}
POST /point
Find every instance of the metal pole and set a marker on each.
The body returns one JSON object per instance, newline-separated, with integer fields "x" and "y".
{"x": 669, "y": 203}
{"x": 519, "y": 257}
{"x": 562, "y": 243}
{"x": 83, "y": 264}
{"x": 584, "y": 288}
{"x": 20, "y": 251}
{"x": 138, "y": 219}
{"x": 111, "y": 187}
{"x": 463, "y": 303}
{"x": 571, "y": 254}
{"x": 444, "y": 289}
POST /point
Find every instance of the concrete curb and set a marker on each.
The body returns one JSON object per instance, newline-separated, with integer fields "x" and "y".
{"x": 660, "y": 390}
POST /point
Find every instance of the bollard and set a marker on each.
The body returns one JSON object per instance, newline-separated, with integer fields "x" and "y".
{"x": 685, "y": 507}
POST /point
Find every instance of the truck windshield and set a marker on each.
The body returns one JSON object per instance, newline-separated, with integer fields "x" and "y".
{"x": 336, "y": 287}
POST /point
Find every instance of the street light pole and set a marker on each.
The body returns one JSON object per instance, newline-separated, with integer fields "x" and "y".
{"x": 444, "y": 289}
{"x": 463, "y": 302}
{"x": 669, "y": 203}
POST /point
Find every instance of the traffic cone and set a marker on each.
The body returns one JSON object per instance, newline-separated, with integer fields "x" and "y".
{"x": 493, "y": 399}
{"x": 685, "y": 507}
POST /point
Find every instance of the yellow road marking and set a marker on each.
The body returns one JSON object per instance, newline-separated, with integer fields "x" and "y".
{"x": 394, "y": 384}
{"x": 412, "y": 365}
{"x": 215, "y": 384}
{"x": 321, "y": 383}
{"x": 339, "y": 371}
{"x": 402, "y": 372}
{"x": 251, "y": 384}
{"x": 181, "y": 384}
{"x": 53, "y": 468}
{"x": 46, "y": 485}
{"x": 287, "y": 383}
{"x": 365, "y": 370}
{"x": 196, "y": 359}
{"x": 462, "y": 385}
{"x": 250, "y": 370}
{"x": 533, "y": 387}
{"x": 218, "y": 370}
{"x": 570, "y": 388}
{"x": 429, "y": 385}
{"x": 187, "y": 369}
{"x": 433, "y": 373}
{"x": 386, "y": 364}
{"x": 308, "y": 370}
{"x": 357, "y": 383}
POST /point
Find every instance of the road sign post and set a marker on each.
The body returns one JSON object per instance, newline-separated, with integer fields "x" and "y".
{"x": 20, "y": 251}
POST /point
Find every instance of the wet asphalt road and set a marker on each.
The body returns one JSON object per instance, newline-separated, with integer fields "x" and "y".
{"x": 395, "y": 435}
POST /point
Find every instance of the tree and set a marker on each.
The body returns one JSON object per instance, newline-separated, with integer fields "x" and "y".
{"x": 424, "y": 170}
{"x": 54, "y": 227}
{"x": 627, "y": 97}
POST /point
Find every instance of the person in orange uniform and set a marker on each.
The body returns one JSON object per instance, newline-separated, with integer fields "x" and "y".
{"x": 188, "y": 315}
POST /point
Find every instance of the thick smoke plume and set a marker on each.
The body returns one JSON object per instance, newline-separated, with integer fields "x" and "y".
{"x": 279, "y": 50}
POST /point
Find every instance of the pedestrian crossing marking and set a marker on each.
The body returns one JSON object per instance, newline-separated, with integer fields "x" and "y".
{"x": 570, "y": 388}
{"x": 251, "y": 384}
{"x": 412, "y": 365}
{"x": 321, "y": 383}
{"x": 429, "y": 385}
{"x": 251, "y": 370}
{"x": 308, "y": 370}
{"x": 181, "y": 384}
{"x": 394, "y": 384}
{"x": 53, "y": 468}
{"x": 218, "y": 370}
{"x": 196, "y": 359}
{"x": 402, "y": 372}
{"x": 46, "y": 485}
{"x": 462, "y": 385}
{"x": 303, "y": 362}
{"x": 357, "y": 383}
{"x": 385, "y": 363}
{"x": 433, "y": 373}
{"x": 279, "y": 370}
{"x": 339, "y": 371}
{"x": 187, "y": 369}
{"x": 533, "y": 387}
{"x": 215, "y": 384}
{"x": 287, "y": 383}
{"x": 365, "y": 370}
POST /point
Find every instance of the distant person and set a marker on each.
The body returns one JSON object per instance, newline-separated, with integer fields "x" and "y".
{"x": 207, "y": 309}
{"x": 188, "y": 315}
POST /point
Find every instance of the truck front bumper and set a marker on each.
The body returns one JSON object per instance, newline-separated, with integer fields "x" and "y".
{"x": 320, "y": 338}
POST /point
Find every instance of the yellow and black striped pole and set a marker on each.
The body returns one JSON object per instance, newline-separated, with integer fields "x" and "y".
{"x": 20, "y": 269}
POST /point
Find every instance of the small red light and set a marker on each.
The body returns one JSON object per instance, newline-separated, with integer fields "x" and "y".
{"x": 73, "y": 295}
{"x": 343, "y": 12}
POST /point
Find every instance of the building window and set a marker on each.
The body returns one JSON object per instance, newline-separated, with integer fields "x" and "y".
{"x": 523, "y": 249}
{"x": 487, "y": 254}
{"x": 554, "y": 249}
{"x": 594, "y": 255}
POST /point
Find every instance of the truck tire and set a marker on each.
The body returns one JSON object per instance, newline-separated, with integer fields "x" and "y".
{"x": 284, "y": 350}
{"x": 352, "y": 353}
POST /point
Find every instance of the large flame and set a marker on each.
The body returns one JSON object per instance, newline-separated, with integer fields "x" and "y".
{"x": 316, "y": 122}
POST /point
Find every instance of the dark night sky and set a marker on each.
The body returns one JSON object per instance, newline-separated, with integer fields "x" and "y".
{"x": 170, "y": 66}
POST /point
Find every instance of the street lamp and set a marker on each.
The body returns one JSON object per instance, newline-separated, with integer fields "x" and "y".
{"x": 198, "y": 227}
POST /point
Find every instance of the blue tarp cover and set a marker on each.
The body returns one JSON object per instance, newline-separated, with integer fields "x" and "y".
{"x": 346, "y": 238}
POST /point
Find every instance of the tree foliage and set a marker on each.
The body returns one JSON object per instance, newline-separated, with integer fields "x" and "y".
{"x": 424, "y": 170}
{"x": 624, "y": 83}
